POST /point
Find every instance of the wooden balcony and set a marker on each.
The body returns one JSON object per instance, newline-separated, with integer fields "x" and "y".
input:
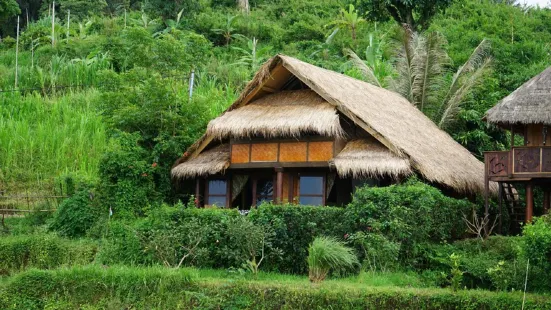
{"x": 518, "y": 164}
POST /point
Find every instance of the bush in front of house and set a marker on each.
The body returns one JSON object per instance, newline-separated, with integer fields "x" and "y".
{"x": 411, "y": 214}
{"x": 295, "y": 228}
{"x": 537, "y": 241}
{"x": 396, "y": 220}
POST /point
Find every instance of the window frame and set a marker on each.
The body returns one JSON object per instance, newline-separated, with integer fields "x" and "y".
{"x": 254, "y": 185}
{"x": 225, "y": 195}
{"x": 323, "y": 191}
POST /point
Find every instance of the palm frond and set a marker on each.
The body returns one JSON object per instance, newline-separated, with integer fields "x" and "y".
{"x": 478, "y": 58}
{"x": 429, "y": 65}
{"x": 366, "y": 70}
{"x": 403, "y": 82}
{"x": 450, "y": 108}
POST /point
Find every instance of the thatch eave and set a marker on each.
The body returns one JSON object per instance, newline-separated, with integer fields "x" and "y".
{"x": 369, "y": 158}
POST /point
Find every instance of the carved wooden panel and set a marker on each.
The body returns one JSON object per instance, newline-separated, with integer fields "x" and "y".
{"x": 240, "y": 153}
{"x": 546, "y": 160}
{"x": 264, "y": 152}
{"x": 527, "y": 160}
{"x": 320, "y": 151}
{"x": 292, "y": 152}
{"x": 497, "y": 163}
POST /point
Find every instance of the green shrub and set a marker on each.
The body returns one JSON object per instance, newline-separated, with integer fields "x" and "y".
{"x": 81, "y": 285}
{"x": 326, "y": 254}
{"x": 75, "y": 215}
{"x": 168, "y": 234}
{"x": 410, "y": 214}
{"x": 537, "y": 241}
{"x": 295, "y": 228}
{"x": 43, "y": 251}
{"x": 376, "y": 251}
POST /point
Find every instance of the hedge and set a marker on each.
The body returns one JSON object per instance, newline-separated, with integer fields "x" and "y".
{"x": 43, "y": 251}
{"x": 409, "y": 215}
{"x": 96, "y": 287}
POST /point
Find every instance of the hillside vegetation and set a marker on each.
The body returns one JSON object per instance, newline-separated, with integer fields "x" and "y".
{"x": 120, "y": 69}
{"x": 99, "y": 101}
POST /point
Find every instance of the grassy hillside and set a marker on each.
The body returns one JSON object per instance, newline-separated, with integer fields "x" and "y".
{"x": 128, "y": 71}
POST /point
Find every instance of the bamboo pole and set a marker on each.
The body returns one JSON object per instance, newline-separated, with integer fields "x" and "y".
{"x": 17, "y": 54}
{"x": 68, "y": 23}
{"x": 191, "y": 82}
{"x": 53, "y": 23}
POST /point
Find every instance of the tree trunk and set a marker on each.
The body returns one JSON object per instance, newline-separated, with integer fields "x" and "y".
{"x": 244, "y": 6}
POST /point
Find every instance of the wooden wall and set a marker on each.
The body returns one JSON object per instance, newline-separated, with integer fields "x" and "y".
{"x": 292, "y": 152}
{"x": 534, "y": 135}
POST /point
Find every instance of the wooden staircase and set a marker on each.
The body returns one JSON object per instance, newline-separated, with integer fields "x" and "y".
{"x": 516, "y": 209}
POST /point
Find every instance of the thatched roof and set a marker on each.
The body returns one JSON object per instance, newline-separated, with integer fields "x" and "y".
{"x": 528, "y": 104}
{"x": 285, "y": 113}
{"x": 369, "y": 158}
{"x": 208, "y": 162}
{"x": 385, "y": 115}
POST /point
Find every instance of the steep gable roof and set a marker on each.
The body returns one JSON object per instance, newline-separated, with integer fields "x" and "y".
{"x": 385, "y": 115}
{"x": 528, "y": 104}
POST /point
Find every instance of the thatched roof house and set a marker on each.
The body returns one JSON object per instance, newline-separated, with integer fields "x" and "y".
{"x": 301, "y": 120}
{"x": 525, "y": 112}
{"x": 529, "y": 104}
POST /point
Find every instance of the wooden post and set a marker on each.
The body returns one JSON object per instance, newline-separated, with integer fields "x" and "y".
{"x": 228, "y": 191}
{"x": 255, "y": 184}
{"x": 511, "y": 168}
{"x": 529, "y": 202}
{"x": 546, "y": 199}
{"x": 500, "y": 202}
{"x": 279, "y": 186}
{"x": 197, "y": 192}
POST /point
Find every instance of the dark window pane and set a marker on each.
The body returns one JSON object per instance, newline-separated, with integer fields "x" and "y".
{"x": 265, "y": 188}
{"x": 219, "y": 201}
{"x": 311, "y": 185}
{"x": 217, "y": 187}
{"x": 311, "y": 201}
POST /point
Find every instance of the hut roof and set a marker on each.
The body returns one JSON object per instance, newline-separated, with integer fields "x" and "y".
{"x": 528, "y": 104}
{"x": 285, "y": 113}
{"x": 368, "y": 157}
{"x": 385, "y": 115}
{"x": 211, "y": 161}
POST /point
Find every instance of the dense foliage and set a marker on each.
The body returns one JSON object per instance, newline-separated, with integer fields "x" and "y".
{"x": 147, "y": 288}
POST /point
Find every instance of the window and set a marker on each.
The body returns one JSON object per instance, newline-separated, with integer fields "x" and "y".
{"x": 264, "y": 191}
{"x": 217, "y": 193}
{"x": 311, "y": 190}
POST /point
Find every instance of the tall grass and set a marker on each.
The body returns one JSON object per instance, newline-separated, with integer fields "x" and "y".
{"x": 52, "y": 74}
{"x": 326, "y": 253}
{"x": 44, "y": 137}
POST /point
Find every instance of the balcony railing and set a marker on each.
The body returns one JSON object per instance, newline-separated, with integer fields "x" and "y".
{"x": 519, "y": 162}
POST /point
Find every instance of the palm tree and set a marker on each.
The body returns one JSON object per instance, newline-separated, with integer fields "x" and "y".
{"x": 374, "y": 68}
{"x": 424, "y": 75}
{"x": 348, "y": 19}
{"x": 324, "y": 48}
{"x": 228, "y": 31}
